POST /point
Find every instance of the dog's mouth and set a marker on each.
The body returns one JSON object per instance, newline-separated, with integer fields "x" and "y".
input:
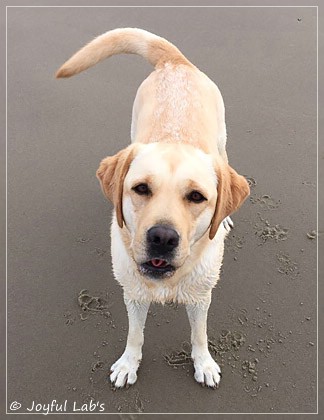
{"x": 157, "y": 268}
{"x": 157, "y": 263}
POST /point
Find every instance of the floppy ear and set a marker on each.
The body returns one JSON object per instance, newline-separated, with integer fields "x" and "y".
{"x": 111, "y": 174}
{"x": 232, "y": 190}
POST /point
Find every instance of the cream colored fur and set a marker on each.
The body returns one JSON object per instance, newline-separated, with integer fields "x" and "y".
{"x": 178, "y": 135}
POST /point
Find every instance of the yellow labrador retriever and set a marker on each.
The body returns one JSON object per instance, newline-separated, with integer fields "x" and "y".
{"x": 173, "y": 192}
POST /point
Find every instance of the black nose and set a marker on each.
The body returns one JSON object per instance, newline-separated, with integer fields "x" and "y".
{"x": 162, "y": 239}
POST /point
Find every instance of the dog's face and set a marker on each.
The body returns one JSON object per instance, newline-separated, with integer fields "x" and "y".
{"x": 168, "y": 203}
{"x": 168, "y": 196}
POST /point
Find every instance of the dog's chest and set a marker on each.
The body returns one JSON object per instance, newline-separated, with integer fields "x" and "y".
{"x": 192, "y": 284}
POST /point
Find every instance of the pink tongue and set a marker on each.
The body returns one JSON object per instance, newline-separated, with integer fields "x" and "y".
{"x": 157, "y": 263}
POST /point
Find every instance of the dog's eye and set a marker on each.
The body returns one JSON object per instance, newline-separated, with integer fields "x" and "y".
{"x": 142, "y": 189}
{"x": 196, "y": 197}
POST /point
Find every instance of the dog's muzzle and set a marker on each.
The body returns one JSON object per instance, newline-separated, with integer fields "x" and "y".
{"x": 162, "y": 242}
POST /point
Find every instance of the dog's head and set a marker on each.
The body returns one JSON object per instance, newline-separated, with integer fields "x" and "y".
{"x": 169, "y": 196}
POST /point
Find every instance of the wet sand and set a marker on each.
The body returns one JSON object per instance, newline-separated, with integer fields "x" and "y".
{"x": 66, "y": 319}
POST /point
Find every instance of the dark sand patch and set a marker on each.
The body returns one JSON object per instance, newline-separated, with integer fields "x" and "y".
{"x": 312, "y": 234}
{"x": 179, "y": 358}
{"x": 265, "y": 201}
{"x": 251, "y": 181}
{"x": 287, "y": 266}
{"x": 93, "y": 304}
{"x": 266, "y": 231}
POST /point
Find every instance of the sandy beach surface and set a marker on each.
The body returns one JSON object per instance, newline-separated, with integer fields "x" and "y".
{"x": 67, "y": 321}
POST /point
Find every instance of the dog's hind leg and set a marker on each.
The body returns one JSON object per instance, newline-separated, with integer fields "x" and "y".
{"x": 228, "y": 223}
{"x": 221, "y": 146}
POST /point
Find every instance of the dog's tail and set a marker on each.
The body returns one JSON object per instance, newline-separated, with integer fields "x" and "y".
{"x": 155, "y": 49}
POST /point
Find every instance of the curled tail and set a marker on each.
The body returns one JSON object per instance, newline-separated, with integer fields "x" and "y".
{"x": 153, "y": 48}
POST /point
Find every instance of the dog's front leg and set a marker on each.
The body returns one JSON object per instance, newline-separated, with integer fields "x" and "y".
{"x": 123, "y": 372}
{"x": 207, "y": 371}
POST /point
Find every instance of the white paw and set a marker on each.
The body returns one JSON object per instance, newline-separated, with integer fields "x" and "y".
{"x": 207, "y": 371}
{"x": 228, "y": 223}
{"x": 123, "y": 371}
